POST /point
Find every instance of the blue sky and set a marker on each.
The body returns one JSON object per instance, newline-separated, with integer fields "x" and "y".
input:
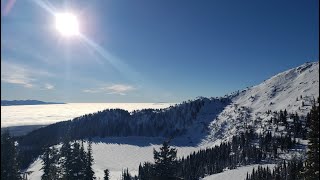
{"x": 151, "y": 51}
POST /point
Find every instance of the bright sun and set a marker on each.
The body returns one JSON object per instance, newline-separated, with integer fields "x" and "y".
{"x": 67, "y": 24}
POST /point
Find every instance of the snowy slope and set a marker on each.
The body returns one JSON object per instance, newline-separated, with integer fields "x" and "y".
{"x": 280, "y": 92}
{"x": 236, "y": 174}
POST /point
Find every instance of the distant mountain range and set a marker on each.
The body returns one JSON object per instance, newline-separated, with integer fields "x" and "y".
{"x": 25, "y": 102}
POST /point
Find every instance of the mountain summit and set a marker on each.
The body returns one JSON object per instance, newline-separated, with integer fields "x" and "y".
{"x": 293, "y": 90}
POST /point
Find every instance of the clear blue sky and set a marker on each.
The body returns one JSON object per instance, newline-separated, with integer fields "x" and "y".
{"x": 151, "y": 51}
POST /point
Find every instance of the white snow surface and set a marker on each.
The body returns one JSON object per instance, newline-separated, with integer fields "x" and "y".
{"x": 282, "y": 90}
{"x": 236, "y": 174}
{"x": 117, "y": 154}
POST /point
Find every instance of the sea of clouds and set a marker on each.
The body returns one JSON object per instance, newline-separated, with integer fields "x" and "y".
{"x": 48, "y": 114}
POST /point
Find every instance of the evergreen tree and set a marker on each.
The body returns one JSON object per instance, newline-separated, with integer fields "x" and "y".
{"x": 141, "y": 172}
{"x": 285, "y": 113}
{"x": 50, "y": 160}
{"x": 72, "y": 163}
{"x": 165, "y": 161}
{"x": 78, "y": 166}
{"x": 106, "y": 174}
{"x": 280, "y": 172}
{"x": 126, "y": 175}
{"x": 9, "y": 162}
{"x": 84, "y": 161}
{"x": 88, "y": 169}
{"x": 312, "y": 162}
{"x": 146, "y": 171}
{"x": 66, "y": 160}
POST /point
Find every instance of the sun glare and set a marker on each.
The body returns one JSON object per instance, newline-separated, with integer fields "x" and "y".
{"x": 67, "y": 24}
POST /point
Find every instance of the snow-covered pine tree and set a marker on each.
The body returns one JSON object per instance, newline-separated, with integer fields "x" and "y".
{"x": 165, "y": 161}
{"x": 106, "y": 174}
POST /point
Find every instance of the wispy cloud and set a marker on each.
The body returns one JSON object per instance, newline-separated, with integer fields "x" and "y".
{"x": 119, "y": 89}
{"x": 49, "y": 86}
{"x": 20, "y": 74}
{"x": 15, "y": 74}
{"x": 92, "y": 91}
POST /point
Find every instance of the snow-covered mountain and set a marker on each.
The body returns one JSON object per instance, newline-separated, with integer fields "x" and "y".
{"x": 210, "y": 121}
{"x": 283, "y": 91}
{"x": 293, "y": 90}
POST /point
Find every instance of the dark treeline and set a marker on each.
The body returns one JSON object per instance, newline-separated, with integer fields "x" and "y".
{"x": 172, "y": 121}
{"x": 284, "y": 171}
{"x": 242, "y": 150}
{"x": 312, "y": 163}
{"x": 297, "y": 126}
{"x": 71, "y": 162}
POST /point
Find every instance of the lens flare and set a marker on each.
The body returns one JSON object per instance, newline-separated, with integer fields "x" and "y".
{"x": 67, "y": 24}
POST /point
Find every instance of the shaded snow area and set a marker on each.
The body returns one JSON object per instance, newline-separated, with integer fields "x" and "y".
{"x": 116, "y": 154}
{"x": 199, "y": 129}
{"x": 293, "y": 90}
{"x": 236, "y": 174}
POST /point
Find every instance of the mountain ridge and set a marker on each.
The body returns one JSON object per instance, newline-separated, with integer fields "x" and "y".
{"x": 293, "y": 90}
{"x": 25, "y": 102}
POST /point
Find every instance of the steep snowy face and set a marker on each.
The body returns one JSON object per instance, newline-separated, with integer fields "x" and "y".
{"x": 287, "y": 90}
{"x": 293, "y": 90}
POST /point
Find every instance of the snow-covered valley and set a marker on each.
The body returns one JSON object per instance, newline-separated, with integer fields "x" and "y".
{"x": 116, "y": 154}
